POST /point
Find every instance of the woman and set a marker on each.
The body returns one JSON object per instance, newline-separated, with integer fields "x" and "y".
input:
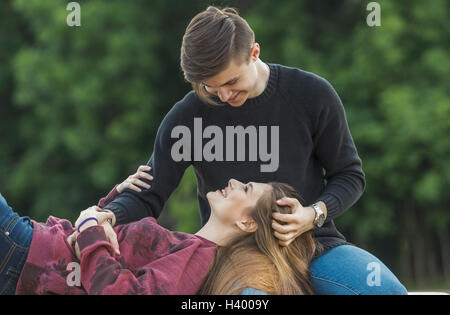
{"x": 297, "y": 134}
{"x": 36, "y": 259}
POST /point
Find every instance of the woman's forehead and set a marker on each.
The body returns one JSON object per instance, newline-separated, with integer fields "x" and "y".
{"x": 259, "y": 187}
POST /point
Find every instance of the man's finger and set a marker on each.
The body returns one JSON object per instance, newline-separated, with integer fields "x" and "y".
{"x": 280, "y": 228}
{"x": 286, "y": 201}
{"x": 284, "y": 237}
{"x": 284, "y": 217}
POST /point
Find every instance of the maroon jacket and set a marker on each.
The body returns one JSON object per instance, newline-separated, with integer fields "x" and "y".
{"x": 153, "y": 260}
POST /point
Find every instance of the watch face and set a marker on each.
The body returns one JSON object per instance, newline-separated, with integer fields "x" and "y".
{"x": 320, "y": 220}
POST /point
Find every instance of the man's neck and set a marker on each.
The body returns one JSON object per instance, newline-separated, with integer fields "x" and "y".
{"x": 263, "y": 78}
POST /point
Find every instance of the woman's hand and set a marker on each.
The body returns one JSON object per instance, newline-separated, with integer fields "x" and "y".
{"x": 92, "y": 212}
{"x": 103, "y": 218}
{"x": 110, "y": 235}
{"x": 133, "y": 181}
{"x": 299, "y": 221}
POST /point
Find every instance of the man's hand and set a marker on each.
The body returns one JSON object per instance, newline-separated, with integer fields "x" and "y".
{"x": 299, "y": 221}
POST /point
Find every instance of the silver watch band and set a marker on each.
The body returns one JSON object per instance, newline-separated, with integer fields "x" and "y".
{"x": 320, "y": 216}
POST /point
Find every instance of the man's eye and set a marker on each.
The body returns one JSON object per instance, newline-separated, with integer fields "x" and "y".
{"x": 245, "y": 188}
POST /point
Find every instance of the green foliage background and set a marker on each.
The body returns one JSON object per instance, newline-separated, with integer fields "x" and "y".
{"x": 80, "y": 107}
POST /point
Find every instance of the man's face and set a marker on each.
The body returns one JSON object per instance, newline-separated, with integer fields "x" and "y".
{"x": 235, "y": 84}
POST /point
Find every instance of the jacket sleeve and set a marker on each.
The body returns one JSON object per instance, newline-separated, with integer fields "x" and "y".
{"x": 336, "y": 150}
{"x": 132, "y": 206}
{"x": 102, "y": 273}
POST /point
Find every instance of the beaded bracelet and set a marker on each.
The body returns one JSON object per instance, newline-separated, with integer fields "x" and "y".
{"x": 85, "y": 220}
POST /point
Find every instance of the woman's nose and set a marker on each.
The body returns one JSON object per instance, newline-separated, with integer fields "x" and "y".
{"x": 234, "y": 183}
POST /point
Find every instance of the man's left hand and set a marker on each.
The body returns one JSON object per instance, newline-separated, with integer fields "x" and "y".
{"x": 299, "y": 221}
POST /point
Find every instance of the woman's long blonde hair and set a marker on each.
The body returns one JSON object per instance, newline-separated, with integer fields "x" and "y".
{"x": 257, "y": 260}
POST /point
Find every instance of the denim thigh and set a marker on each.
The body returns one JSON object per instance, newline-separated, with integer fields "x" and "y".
{"x": 15, "y": 238}
{"x": 349, "y": 270}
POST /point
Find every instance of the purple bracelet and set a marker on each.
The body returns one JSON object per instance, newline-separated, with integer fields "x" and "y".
{"x": 84, "y": 221}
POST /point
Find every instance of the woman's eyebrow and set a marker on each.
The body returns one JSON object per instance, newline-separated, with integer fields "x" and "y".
{"x": 235, "y": 78}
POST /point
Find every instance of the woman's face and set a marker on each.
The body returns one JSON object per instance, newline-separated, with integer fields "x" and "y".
{"x": 237, "y": 82}
{"x": 234, "y": 202}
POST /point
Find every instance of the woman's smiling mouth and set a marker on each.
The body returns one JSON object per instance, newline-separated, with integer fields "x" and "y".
{"x": 223, "y": 192}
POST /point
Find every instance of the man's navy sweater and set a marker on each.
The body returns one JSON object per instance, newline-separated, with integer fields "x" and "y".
{"x": 316, "y": 153}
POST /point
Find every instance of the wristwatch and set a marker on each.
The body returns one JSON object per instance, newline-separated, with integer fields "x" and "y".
{"x": 320, "y": 216}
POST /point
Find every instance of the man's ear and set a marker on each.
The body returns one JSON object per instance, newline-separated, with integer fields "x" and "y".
{"x": 247, "y": 225}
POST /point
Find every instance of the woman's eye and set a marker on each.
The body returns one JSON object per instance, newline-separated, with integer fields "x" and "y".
{"x": 245, "y": 188}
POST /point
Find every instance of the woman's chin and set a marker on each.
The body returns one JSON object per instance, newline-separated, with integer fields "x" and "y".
{"x": 213, "y": 198}
{"x": 210, "y": 196}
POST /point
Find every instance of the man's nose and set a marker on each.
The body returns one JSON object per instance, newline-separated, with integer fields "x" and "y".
{"x": 224, "y": 95}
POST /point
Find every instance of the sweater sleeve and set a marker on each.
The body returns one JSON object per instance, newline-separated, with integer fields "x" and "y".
{"x": 132, "y": 206}
{"x": 103, "y": 274}
{"x": 336, "y": 150}
{"x": 109, "y": 198}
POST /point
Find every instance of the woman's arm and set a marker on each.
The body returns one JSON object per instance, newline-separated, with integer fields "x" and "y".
{"x": 132, "y": 182}
{"x": 102, "y": 273}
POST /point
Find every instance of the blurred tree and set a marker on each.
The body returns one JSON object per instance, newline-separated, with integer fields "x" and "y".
{"x": 90, "y": 98}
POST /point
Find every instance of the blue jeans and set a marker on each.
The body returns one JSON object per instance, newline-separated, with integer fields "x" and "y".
{"x": 349, "y": 270}
{"x": 15, "y": 238}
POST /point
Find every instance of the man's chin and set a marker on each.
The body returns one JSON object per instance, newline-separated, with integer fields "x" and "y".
{"x": 239, "y": 103}
{"x": 240, "y": 100}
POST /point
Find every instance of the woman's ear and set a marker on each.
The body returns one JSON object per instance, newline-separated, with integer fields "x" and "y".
{"x": 247, "y": 225}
